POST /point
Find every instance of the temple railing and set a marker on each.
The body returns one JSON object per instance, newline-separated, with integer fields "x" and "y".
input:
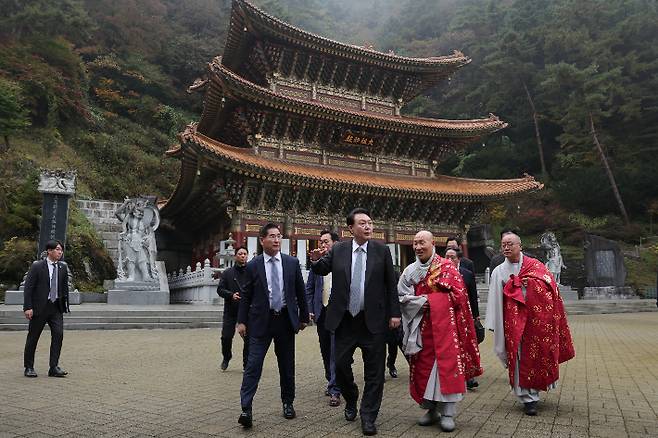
{"x": 194, "y": 287}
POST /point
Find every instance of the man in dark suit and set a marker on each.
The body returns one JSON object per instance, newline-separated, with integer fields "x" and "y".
{"x": 471, "y": 286}
{"x": 45, "y": 300}
{"x": 273, "y": 308}
{"x": 318, "y": 291}
{"x": 453, "y": 243}
{"x": 230, "y": 288}
{"x": 362, "y": 308}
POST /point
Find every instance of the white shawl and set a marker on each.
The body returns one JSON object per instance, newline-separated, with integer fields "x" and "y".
{"x": 412, "y": 305}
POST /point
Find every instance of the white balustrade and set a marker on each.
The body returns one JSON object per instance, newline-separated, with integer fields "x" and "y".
{"x": 194, "y": 287}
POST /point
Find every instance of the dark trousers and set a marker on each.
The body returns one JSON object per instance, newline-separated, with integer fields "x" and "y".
{"x": 350, "y": 334}
{"x": 55, "y": 319}
{"x": 281, "y": 332}
{"x": 392, "y": 343}
{"x": 327, "y": 349}
{"x": 228, "y": 332}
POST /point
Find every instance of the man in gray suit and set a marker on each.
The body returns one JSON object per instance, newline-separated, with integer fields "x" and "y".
{"x": 362, "y": 308}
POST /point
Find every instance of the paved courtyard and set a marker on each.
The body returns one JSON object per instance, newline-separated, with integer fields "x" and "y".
{"x": 167, "y": 383}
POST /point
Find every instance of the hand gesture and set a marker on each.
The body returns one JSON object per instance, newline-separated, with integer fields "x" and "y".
{"x": 242, "y": 330}
{"x": 394, "y": 323}
{"x": 317, "y": 253}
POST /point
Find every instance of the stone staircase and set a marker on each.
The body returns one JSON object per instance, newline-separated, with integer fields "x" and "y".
{"x": 591, "y": 307}
{"x": 107, "y": 317}
{"x": 574, "y": 306}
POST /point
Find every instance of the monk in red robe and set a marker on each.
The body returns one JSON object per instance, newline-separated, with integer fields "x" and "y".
{"x": 526, "y": 313}
{"x": 439, "y": 333}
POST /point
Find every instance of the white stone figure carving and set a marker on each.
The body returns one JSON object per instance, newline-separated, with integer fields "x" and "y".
{"x": 554, "y": 261}
{"x": 57, "y": 181}
{"x": 137, "y": 247}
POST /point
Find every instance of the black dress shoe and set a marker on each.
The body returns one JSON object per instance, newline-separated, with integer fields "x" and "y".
{"x": 29, "y": 372}
{"x": 350, "y": 411}
{"x": 245, "y": 419}
{"x": 393, "y": 371}
{"x": 368, "y": 427}
{"x": 289, "y": 411}
{"x": 224, "y": 365}
{"x": 530, "y": 408}
{"x": 56, "y": 372}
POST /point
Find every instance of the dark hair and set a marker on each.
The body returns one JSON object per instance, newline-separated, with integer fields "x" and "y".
{"x": 52, "y": 244}
{"x": 358, "y": 210}
{"x": 452, "y": 238}
{"x": 266, "y": 228}
{"x": 458, "y": 252}
{"x": 238, "y": 248}
{"x": 334, "y": 236}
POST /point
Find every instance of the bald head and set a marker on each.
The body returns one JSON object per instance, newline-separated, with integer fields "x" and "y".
{"x": 424, "y": 245}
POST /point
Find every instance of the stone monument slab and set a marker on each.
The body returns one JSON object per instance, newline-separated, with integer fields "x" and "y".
{"x": 604, "y": 262}
{"x": 605, "y": 270}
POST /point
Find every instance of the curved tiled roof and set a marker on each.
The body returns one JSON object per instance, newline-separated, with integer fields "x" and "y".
{"x": 292, "y": 34}
{"x": 323, "y": 177}
{"x": 233, "y": 84}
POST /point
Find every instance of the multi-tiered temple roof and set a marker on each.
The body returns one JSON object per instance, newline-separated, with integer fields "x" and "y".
{"x": 299, "y": 129}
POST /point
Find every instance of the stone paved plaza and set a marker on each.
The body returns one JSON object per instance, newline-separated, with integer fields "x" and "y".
{"x": 167, "y": 383}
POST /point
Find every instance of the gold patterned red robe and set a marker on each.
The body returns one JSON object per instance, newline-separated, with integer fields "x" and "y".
{"x": 536, "y": 322}
{"x": 447, "y": 332}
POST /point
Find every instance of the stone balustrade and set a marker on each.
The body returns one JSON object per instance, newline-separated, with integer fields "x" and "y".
{"x": 194, "y": 287}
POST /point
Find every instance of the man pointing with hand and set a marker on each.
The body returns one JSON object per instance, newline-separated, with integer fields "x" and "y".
{"x": 362, "y": 308}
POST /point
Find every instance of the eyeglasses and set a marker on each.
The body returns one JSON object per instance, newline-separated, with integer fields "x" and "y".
{"x": 508, "y": 244}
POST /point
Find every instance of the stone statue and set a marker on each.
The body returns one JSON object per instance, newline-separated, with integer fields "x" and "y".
{"x": 554, "y": 262}
{"x": 137, "y": 249}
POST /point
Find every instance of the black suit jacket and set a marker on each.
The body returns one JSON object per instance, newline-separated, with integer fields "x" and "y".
{"x": 254, "y": 310}
{"x": 380, "y": 294}
{"x": 467, "y": 263}
{"x": 37, "y": 287}
{"x": 471, "y": 287}
{"x": 232, "y": 281}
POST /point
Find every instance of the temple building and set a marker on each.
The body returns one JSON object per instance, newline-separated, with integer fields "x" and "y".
{"x": 299, "y": 129}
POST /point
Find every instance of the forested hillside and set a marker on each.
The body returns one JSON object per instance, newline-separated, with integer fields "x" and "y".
{"x": 100, "y": 86}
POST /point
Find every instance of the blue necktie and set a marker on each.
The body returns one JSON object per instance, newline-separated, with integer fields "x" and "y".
{"x": 52, "y": 295}
{"x": 277, "y": 303}
{"x": 356, "y": 294}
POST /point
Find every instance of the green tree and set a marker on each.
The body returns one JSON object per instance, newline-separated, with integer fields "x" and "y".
{"x": 13, "y": 115}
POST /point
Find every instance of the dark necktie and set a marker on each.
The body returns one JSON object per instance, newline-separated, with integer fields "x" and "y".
{"x": 52, "y": 295}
